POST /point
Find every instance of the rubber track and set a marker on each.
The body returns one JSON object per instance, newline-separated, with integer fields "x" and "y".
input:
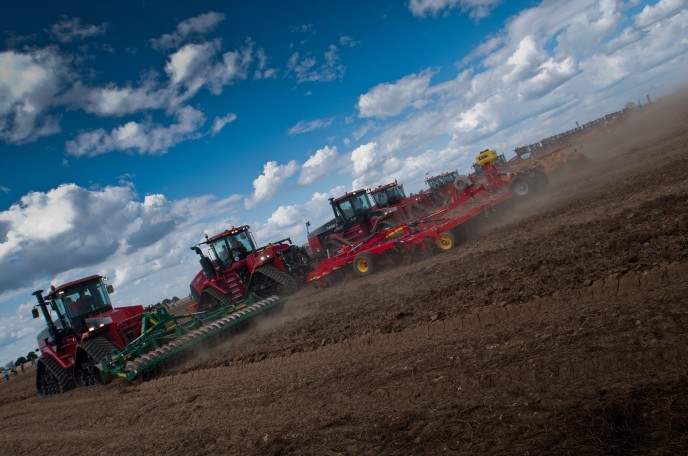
{"x": 225, "y": 299}
{"x": 58, "y": 371}
{"x": 287, "y": 281}
{"x": 98, "y": 348}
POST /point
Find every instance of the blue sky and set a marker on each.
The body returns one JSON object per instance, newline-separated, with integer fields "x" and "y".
{"x": 126, "y": 132}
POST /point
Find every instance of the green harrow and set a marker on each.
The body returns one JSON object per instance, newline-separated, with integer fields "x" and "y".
{"x": 164, "y": 335}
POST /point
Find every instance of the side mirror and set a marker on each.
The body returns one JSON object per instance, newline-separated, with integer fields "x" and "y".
{"x": 110, "y": 289}
{"x": 34, "y": 312}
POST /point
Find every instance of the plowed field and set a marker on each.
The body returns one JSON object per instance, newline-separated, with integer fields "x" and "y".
{"x": 559, "y": 327}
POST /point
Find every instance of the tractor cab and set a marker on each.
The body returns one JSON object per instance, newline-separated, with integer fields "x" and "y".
{"x": 440, "y": 181}
{"x": 351, "y": 209}
{"x": 388, "y": 195}
{"x": 231, "y": 246}
{"x": 486, "y": 159}
{"x": 74, "y": 302}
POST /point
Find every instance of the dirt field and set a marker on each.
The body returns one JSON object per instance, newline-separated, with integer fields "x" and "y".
{"x": 561, "y": 328}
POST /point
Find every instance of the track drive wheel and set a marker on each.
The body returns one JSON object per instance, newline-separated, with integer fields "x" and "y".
{"x": 286, "y": 283}
{"x": 446, "y": 241}
{"x": 364, "y": 264}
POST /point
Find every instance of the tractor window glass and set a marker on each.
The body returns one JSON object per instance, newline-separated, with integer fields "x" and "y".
{"x": 381, "y": 198}
{"x": 84, "y": 299}
{"x": 396, "y": 194}
{"x": 346, "y": 209}
{"x": 222, "y": 253}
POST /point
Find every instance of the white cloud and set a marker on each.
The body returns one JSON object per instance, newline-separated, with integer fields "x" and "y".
{"x": 29, "y": 85}
{"x": 477, "y": 9}
{"x": 111, "y": 100}
{"x": 304, "y": 126}
{"x": 266, "y": 185}
{"x": 220, "y": 122}
{"x": 663, "y": 9}
{"x": 291, "y": 220}
{"x": 310, "y": 69}
{"x": 551, "y": 65}
{"x": 4, "y": 189}
{"x": 318, "y": 165}
{"x": 385, "y": 100}
{"x": 188, "y": 29}
{"x": 141, "y": 138}
{"x": 71, "y": 29}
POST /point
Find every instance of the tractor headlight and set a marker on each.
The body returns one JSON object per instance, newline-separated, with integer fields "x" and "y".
{"x": 91, "y": 328}
{"x": 264, "y": 257}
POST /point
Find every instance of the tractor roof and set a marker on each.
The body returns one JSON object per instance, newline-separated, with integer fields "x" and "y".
{"x": 384, "y": 187}
{"x": 74, "y": 283}
{"x": 348, "y": 194}
{"x": 448, "y": 173}
{"x": 225, "y": 233}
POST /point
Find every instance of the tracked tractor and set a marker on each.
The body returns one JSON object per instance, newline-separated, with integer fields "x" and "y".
{"x": 393, "y": 195}
{"x": 355, "y": 218}
{"x": 235, "y": 267}
{"x": 81, "y": 328}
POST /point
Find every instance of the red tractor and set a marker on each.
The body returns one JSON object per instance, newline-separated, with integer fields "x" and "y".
{"x": 86, "y": 329}
{"x": 393, "y": 195}
{"x": 355, "y": 218}
{"x": 235, "y": 267}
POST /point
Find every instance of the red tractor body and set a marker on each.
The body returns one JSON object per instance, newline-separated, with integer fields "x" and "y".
{"x": 85, "y": 329}
{"x": 236, "y": 267}
{"x": 356, "y": 217}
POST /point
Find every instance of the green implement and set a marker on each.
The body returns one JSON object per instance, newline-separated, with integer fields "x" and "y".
{"x": 164, "y": 335}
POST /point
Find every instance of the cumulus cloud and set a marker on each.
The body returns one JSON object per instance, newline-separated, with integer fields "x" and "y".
{"x": 138, "y": 137}
{"x": 291, "y": 220}
{"x": 551, "y": 65}
{"x": 266, "y": 185}
{"x": 304, "y": 126}
{"x": 191, "y": 28}
{"x": 48, "y": 234}
{"x": 477, "y": 9}
{"x": 663, "y": 9}
{"x": 30, "y": 83}
{"x": 71, "y": 29}
{"x": 220, "y": 122}
{"x": 195, "y": 66}
{"x": 385, "y": 100}
{"x": 318, "y": 165}
{"x": 111, "y": 100}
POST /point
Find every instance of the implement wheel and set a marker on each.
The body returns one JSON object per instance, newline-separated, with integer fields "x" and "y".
{"x": 364, "y": 264}
{"x": 446, "y": 241}
{"x": 522, "y": 187}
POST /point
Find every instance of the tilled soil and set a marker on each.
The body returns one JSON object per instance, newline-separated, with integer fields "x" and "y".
{"x": 559, "y": 326}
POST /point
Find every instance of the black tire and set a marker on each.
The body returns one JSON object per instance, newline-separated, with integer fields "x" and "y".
{"x": 331, "y": 246}
{"x": 364, "y": 264}
{"x": 461, "y": 183}
{"x": 286, "y": 283}
{"x": 388, "y": 225}
{"x": 541, "y": 180}
{"x": 522, "y": 187}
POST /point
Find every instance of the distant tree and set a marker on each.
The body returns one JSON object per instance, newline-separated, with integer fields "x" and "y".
{"x": 166, "y": 302}
{"x": 21, "y": 360}
{"x": 175, "y": 299}
{"x": 31, "y": 356}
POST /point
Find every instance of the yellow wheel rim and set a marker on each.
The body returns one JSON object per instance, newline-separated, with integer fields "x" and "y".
{"x": 445, "y": 242}
{"x": 362, "y": 265}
